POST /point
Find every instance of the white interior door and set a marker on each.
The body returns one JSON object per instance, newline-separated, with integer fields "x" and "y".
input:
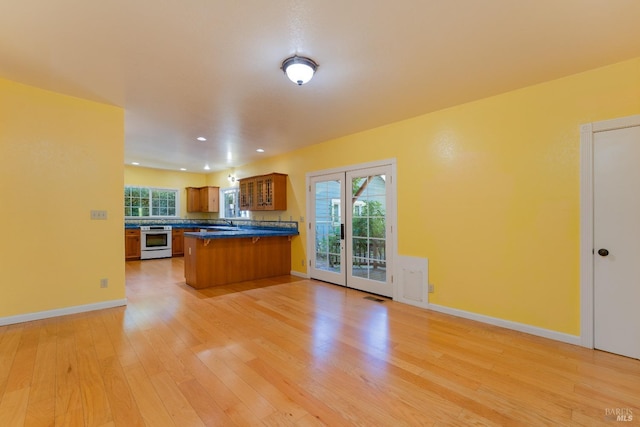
{"x": 617, "y": 241}
{"x": 350, "y": 227}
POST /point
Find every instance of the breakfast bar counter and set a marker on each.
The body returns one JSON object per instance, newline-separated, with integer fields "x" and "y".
{"x": 221, "y": 255}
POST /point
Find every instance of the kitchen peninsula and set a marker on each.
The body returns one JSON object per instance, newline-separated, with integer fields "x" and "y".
{"x": 221, "y": 255}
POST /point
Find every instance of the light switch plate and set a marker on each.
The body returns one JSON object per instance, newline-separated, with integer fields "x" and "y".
{"x": 98, "y": 214}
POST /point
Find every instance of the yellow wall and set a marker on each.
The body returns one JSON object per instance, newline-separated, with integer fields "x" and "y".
{"x": 60, "y": 157}
{"x": 148, "y": 177}
{"x": 488, "y": 191}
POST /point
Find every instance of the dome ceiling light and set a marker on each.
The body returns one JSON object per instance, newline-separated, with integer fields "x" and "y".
{"x": 299, "y": 69}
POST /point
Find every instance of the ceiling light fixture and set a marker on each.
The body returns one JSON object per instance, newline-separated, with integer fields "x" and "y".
{"x": 299, "y": 69}
{"x": 206, "y": 167}
{"x": 201, "y": 138}
{"x": 260, "y": 150}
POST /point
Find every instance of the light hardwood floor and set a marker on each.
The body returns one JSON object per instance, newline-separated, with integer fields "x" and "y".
{"x": 290, "y": 351}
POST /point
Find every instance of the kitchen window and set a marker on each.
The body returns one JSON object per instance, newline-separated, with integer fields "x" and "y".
{"x": 150, "y": 202}
{"x": 229, "y": 206}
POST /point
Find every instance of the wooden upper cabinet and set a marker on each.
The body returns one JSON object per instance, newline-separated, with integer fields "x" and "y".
{"x": 193, "y": 199}
{"x": 209, "y": 201}
{"x": 264, "y": 193}
{"x": 203, "y": 199}
{"x": 247, "y": 194}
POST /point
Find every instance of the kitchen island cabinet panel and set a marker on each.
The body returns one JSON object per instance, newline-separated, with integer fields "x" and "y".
{"x": 215, "y": 262}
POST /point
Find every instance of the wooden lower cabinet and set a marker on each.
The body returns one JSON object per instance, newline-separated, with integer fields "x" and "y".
{"x": 177, "y": 240}
{"x": 215, "y": 262}
{"x": 131, "y": 244}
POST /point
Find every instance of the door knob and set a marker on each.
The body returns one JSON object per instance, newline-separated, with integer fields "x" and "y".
{"x": 603, "y": 252}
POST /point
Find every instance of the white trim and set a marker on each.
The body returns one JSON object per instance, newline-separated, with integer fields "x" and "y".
{"x": 298, "y": 274}
{"x": 348, "y": 168}
{"x": 61, "y": 312}
{"x": 586, "y": 235}
{"x": 520, "y": 327}
{"x": 586, "y": 219}
{"x": 620, "y": 123}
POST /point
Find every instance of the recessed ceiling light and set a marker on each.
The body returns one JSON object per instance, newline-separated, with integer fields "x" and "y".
{"x": 260, "y": 150}
{"x": 206, "y": 167}
{"x": 135, "y": 163}
{"x": 201, "y": 138}
{"x": 183, "y": 169}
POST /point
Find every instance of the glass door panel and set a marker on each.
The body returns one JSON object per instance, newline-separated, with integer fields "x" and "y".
{"x": 327, "y": 261}
{"x": 367, "y": 231}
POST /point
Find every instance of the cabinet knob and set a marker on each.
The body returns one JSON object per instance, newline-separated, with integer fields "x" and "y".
{"x": 603, "y": 252}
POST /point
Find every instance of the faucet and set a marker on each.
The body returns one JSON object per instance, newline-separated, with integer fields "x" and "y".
{"x": 229, "y": 222}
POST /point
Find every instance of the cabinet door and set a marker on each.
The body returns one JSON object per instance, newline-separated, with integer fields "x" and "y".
{"x": 261, "y": 193}
{"x": 271, "y": 192}
{"x": 209, "y": 201}
{"x": 131, "y": 244}
{"x": 193, "y": 199}
{"x": 177, "y": 242}
{"x": 247, "y": 194}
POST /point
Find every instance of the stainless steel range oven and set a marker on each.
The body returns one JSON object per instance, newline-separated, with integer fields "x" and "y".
{"x": 155, "y": 241}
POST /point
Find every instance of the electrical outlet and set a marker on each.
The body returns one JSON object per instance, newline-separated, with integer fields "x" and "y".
{"x": 104, "y": 283}
{"x": 431, "y": 288}
{"x": 98, "y": 214}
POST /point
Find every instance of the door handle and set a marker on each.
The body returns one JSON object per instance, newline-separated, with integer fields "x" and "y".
{"x": 603, "y": 252}
{"x": 341, "y": 231}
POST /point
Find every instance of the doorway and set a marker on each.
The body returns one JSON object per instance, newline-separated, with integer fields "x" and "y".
{"x": 610, "y": 247}
{"x": 352, "y": 220}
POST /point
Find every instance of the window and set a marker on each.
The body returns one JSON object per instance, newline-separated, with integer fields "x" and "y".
{"x": 230, "y": 207}
{"x": 150, "y": 202}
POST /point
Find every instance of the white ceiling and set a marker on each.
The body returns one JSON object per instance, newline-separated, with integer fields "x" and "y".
{"x": 183, "y": 69}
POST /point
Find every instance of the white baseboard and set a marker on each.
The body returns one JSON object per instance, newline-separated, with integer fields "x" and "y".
{"x": 520, "y": 327}
{"x": 298, "y": 274}
{"x": 61, "y": 312}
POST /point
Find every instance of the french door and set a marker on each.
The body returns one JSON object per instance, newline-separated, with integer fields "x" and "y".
{"x": 351, "y": 227}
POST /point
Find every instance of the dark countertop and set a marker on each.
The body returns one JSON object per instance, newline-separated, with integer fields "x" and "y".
{"x": 232, "y": 232}
{"x": 221, "y": 230}
{"x": 217, "y": 231}
{"x": 178, "y": 226}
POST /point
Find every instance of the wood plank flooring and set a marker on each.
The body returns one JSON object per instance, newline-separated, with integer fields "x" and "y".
{"x": 295, "y": 352}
